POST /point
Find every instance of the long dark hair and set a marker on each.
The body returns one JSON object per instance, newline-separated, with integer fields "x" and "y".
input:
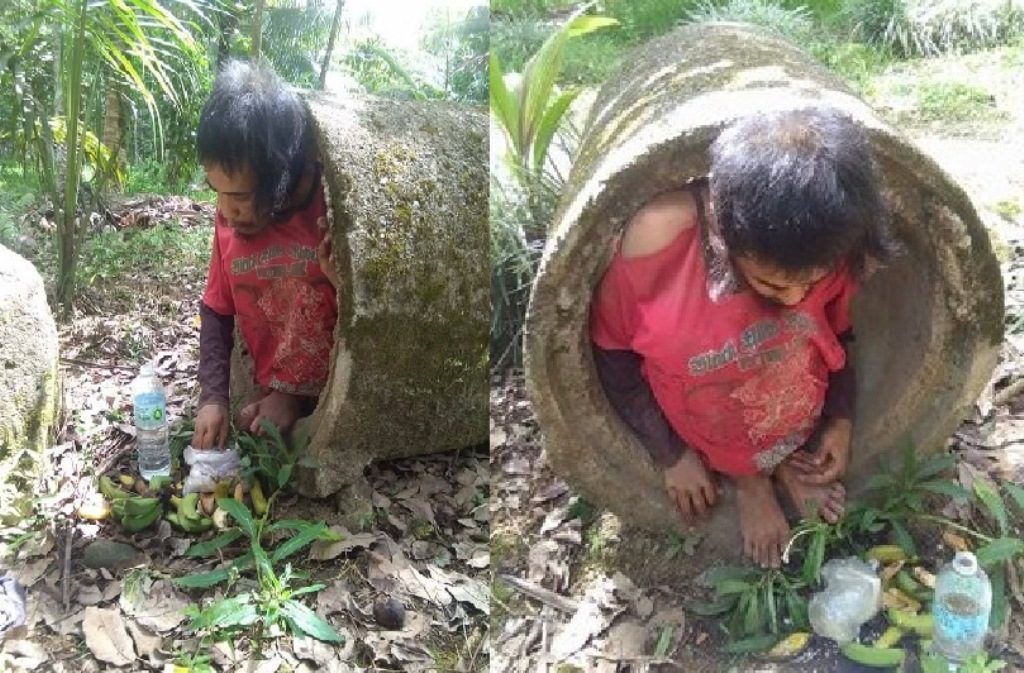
{"x": 799, "y": 189}
{"x": 252, "y": 119}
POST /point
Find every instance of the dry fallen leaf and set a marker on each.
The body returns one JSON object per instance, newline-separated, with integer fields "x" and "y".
{"x": 106, "y": 637}
{"x": 161, "y": 609}
{"x": 322, "y": 550}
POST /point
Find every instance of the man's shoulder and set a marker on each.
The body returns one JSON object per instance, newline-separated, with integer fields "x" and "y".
{"x": 658, "y": 223}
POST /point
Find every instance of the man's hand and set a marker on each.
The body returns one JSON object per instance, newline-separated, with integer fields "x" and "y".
{"x": 212, "y": 427}
{"x": 325, "y": 252}
{"x": 829, "y": 462}
{"x": 690, "y": 486}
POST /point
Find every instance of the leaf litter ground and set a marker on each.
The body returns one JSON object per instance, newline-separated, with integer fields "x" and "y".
{"x": 100, "y": 599}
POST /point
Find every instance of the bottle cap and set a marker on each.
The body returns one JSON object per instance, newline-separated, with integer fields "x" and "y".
{"x": 965, "y": 563}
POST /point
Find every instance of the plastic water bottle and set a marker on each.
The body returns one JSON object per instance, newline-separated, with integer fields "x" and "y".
{"x": 963, "y": 602}
{"x": 150, "y": 403}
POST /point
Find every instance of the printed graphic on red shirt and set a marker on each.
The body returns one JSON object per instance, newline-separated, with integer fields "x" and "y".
{"x": 741, "y": 380}
{"x": 283, "y": 303}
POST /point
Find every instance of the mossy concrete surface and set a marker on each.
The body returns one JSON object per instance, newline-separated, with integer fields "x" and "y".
{"x": 29, "y": 382}
{"x": 407, "y": 192}
{"x": 928, "y": 327}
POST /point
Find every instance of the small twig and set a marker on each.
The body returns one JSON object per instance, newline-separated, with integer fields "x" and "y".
{"x": 115, "y": 457}
{"x": 1008, "y": 393}
{"x": 952, "y": 524}
{"x": 545, "y": 596}
{"x": 66, "y": 577}
{"x": 96, "y": 365}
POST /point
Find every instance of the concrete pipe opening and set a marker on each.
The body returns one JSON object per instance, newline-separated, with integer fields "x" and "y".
{"x": 406, "y": 188}
{"x": 928, "y": 327}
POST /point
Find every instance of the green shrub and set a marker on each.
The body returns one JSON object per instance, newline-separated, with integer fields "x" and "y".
{"x": 932, "y": 27}
{"x": 515, "y": 40}
{"x": 650, "y": 18}
{"x": 855, "y": 62}
{"x": 794, "y": 23}
{"x": 591, "y": 60}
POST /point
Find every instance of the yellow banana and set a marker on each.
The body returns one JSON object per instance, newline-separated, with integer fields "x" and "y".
{"x": 126, "y": 480}
{"x": 222, "y": 489}
{"x": 259, "y": 501}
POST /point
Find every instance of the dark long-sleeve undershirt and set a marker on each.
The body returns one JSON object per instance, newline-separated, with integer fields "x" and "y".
{"x": 216, "y": 340}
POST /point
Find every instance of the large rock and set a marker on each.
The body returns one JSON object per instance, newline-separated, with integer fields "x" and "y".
{"x": 407, "y": 192}
{"x": 29, "y": 382}
{"x": 928, "y": 326}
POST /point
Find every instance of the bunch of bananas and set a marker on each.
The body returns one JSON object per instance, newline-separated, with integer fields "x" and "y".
{"x": 141, "y": 506}
{"x": 135, "y": 512}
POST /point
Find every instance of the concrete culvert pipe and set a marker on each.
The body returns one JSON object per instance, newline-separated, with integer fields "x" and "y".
{"x": 406, "y": 185}
{"x": 928, "y": 326}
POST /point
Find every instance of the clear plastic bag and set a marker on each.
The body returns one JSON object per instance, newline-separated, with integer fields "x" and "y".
{"x": 207, "y": 467}
{"x": 852, "y": 596}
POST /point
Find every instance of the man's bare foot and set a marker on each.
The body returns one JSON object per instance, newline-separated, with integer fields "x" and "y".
{"x": 828, "y": 499}
{"x": 762, "y": 523}
{"x": 279, "y": 408}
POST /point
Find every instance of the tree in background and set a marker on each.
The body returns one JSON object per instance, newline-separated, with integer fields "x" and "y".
{"x": 461, "y": 45}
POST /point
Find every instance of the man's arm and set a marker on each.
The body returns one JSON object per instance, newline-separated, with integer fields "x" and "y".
{"x": 631, "y": 397}
{"x": 216, "y": 339}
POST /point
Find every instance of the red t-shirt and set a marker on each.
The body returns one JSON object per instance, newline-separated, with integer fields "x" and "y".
{"x": 284, "y": 305}
{"x": 740, "y": 380}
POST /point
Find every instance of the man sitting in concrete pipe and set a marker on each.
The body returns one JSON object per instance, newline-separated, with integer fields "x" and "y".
{"x": 720, "y": 327}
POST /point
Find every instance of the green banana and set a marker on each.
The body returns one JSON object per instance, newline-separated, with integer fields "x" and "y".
{"x": 159, "y": 481}
{"x": 111, "y": 491}
{"x": 922, "y": 625}
{"x": 139, "y": 522}
{"x": 890, "y": 637}
{"x": 172, "y": 518}
{"x": 875, "y": 657}
{"x": 187, "y": 508}
{"x": 908, "y": 585}
{"x": 886, "y": 553}
{"x": 139, "y": 506}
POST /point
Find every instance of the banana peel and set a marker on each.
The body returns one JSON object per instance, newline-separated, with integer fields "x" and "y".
{"x": 208, "y": 503}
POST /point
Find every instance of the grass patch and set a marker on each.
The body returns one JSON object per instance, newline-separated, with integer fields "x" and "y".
{"x": 795, "y": 23}
{"x": 953, "y": 101}
{"x": 146, "y": 253}
{"x": 1009, "y": 210}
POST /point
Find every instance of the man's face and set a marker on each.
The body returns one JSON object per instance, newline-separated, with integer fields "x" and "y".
{"x": 235, "y": 198}
{"x": 774, "y": 284}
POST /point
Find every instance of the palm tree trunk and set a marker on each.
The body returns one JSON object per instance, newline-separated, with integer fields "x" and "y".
{"x": 67, "y": 230}
{"x": 257, "y": 30}
{"x": 335, "y": 25}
